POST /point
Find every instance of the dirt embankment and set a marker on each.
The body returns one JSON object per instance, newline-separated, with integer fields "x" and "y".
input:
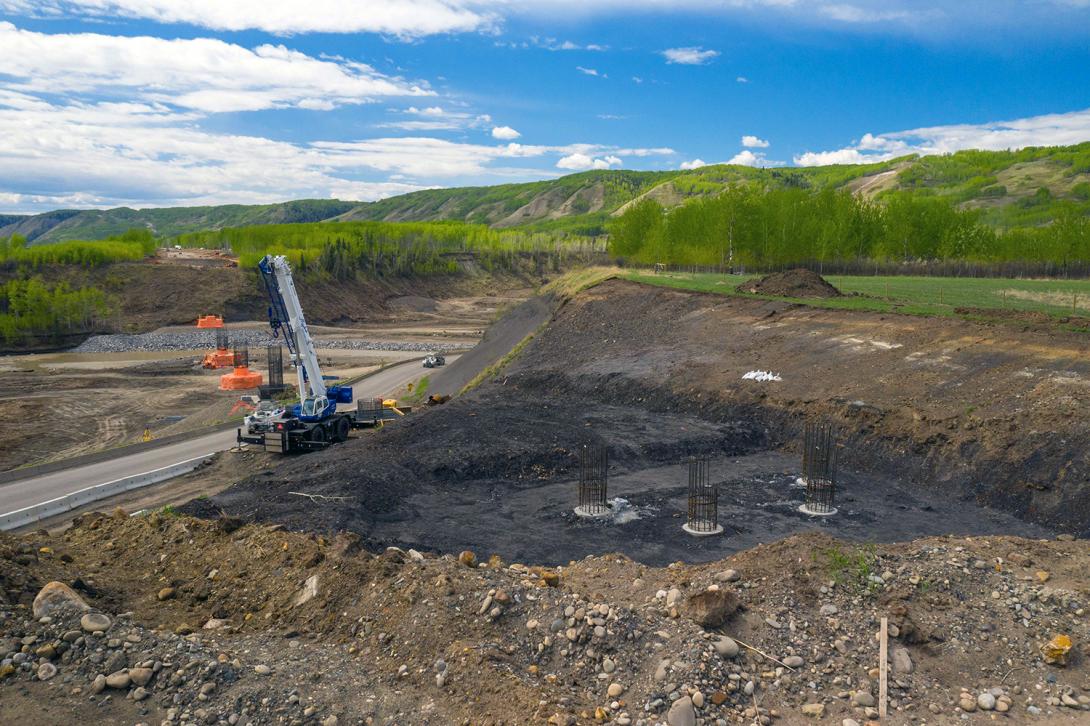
{"x": 992, "y": 413}
{"x": 152, "y": 294}
{"x": 208, "y": 622}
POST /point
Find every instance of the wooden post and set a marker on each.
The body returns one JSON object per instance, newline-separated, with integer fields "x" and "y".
{"x": 883, "y": 668}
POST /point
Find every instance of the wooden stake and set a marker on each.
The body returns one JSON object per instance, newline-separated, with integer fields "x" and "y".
{"x": 883, "y": 669}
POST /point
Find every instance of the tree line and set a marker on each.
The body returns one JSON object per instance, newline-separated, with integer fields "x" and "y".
{"x": 132, "y": 246}
{"x": 344, "y": 250}
{"x": 32, "y": 309}
{"x": 761, "y": 228}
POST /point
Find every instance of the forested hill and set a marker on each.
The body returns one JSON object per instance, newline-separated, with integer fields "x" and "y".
{"x": 1025, "y": 188}
{"x": 73, "y": 224}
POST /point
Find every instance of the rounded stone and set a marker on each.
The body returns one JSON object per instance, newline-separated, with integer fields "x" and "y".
{"x": 615, "y": 689}
{"x": 986, "y": 701}
{"x": 94, "y": 622}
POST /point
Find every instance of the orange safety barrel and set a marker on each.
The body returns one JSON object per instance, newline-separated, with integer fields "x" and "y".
{"x": 210, "y": 321}
{"x": 240, "y": 379}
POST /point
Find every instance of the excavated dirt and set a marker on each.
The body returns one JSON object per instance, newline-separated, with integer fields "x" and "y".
{"x": 256, "y": 625}
{"x": 790, "y": 283}
{"x": 657, "y": 376}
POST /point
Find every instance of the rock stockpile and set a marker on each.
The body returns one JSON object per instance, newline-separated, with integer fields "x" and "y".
{"x": 204, "y": 339}
{"x": 168, "y": 619}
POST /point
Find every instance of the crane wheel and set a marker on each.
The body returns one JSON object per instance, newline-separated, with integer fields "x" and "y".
{"x": 318, "y": 435}
{"x": 340, "y": 430}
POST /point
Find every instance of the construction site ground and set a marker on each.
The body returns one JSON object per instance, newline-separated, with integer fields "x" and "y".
{"x": 962, "y": 497}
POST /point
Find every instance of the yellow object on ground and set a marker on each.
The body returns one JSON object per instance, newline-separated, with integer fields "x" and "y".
{"x": 1055, "y": 650}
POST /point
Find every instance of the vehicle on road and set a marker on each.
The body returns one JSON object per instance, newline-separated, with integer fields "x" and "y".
{"x": 434, "y": 361}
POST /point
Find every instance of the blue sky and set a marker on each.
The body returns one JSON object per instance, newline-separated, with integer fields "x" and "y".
{"x": 168, "y": 102}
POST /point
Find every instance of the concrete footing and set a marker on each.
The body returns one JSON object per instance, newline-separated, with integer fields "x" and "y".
{"x": 805, "y": 509}
{"x": 588, "y": 513}
{"x": 697, "y": 533}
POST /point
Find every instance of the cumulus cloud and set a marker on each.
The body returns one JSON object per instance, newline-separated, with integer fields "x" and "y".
{"x": 287, "y": 17}
{"x": 1047, "y": 130}
{"x": 695, "y": 56}
{"x": 435, "y": 118}
{"x": 582, "y": 162}
{"x": 418, "y": 18}
{"x": 748, "y": 158}
{"x": 505, "y": 133}
{"x": 202, "y": 73}
{"x": 754, "y": 142}
{"x": 741, "y": 79}
{"x": 694, "y": 164}
{"x": 149, "y": 154}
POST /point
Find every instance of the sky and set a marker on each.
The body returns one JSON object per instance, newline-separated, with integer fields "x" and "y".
{"x": 147, "y": 103}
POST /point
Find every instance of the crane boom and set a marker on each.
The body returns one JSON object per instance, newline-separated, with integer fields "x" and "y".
{"x": 286, "y": 314}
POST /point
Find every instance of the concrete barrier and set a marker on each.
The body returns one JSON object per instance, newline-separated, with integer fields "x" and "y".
{"x": 36, "y": 513}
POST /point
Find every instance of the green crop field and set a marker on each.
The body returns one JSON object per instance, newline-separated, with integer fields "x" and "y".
{"x": 913, "y": 295}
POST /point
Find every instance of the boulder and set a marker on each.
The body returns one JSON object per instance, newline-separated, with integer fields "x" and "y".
{"x": 712, "y": 608}
{"x": 681, "y": 713}
{"x": 55, "y": 598}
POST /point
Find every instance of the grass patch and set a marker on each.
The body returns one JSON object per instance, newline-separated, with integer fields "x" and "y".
{"x": 168, "y": 511}
{"x": 499, "y": 365}
{"x": 941, "y": 296}
{"x": 852, "y": 568}
{"x": 572, "y": 283}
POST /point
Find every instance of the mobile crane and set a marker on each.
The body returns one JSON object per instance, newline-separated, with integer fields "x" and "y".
{"x": 314, "y": 422}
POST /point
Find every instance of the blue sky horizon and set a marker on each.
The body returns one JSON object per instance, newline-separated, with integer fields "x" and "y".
{"x": 147, "y": 103}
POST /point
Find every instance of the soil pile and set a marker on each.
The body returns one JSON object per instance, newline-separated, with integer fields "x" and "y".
{"x": 209, "y": 623}
{"x": 790, "y": 283}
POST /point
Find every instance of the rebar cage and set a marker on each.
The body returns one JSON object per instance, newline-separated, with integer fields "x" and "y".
{"x": 593, "y": 468}
{"x": 819, "y": 467}
{"x": 242, "y": 356}
{"x": 275, "y": 356}
{"x": 703, "y": 498}
{"x": 222, "y": 339}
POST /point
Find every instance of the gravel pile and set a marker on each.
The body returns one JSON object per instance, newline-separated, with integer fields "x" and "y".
{"x": 197, "y": 339}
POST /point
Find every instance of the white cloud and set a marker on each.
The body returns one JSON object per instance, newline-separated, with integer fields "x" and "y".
{"x": 748, "y": 158}
{"x": 754, "y": 142}
{"x": 505, "y": 133}
{"x": 590, "y": 72}
{"x": 689, "y": 56}
{"x": 436, "y": 118}
{"x": 286, "y": 17}
{"x": 202, "y": 73}
{"x": 1047, "y": 130}
{"x": 111, "y": 154}
{"x": 694, "y": 164}
{"x": 637, "y": 79}
{"x": 417, "y": 18}
{"x": 581, "y": 162}
{"x": 741, "y": 79}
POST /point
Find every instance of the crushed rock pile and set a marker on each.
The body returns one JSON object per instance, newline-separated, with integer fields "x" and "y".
{"x": 790, "y": 283}
{"x": 206, "y": 339}
{"x": 260, "y": 625}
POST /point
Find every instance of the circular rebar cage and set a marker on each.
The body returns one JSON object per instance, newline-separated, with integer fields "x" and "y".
{"x": 242, "y": 356}
{"x": 819, "y": 468}
{"x": 703, "y": 499}
{"x": 593, "y": 468}
{"x": 222, "y": 340}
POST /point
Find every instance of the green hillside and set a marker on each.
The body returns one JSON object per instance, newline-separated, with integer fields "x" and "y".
{"x": 70, "y": 224}
{"x": 1011, "y": 189}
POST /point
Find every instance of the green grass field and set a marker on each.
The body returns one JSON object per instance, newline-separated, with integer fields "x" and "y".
{"x": 913, "y": 295}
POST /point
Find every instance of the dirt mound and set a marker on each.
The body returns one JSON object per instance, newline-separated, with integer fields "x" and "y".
{"x": 790, "y": 283}
{"x": 258, "y": 625}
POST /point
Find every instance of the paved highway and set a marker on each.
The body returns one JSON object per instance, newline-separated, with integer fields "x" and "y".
{"x": 28, "y": 492}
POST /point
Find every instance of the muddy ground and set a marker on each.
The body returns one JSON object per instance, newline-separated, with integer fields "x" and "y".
{"x": 945, "y": 426}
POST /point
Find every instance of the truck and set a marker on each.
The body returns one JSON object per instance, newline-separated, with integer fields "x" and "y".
{"x": 434, "y": 360}
{"x": 315, "y": 422}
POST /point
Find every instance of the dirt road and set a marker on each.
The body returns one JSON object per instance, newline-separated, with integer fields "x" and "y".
{"x": 27, "y": 492}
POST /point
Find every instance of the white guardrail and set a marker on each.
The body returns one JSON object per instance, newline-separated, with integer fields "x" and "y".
{"x": 68, "y": 502}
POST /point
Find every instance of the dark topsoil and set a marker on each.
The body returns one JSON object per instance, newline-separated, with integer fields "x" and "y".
{"x": 656, "y": 377}
{"x": 790, "y": 283}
